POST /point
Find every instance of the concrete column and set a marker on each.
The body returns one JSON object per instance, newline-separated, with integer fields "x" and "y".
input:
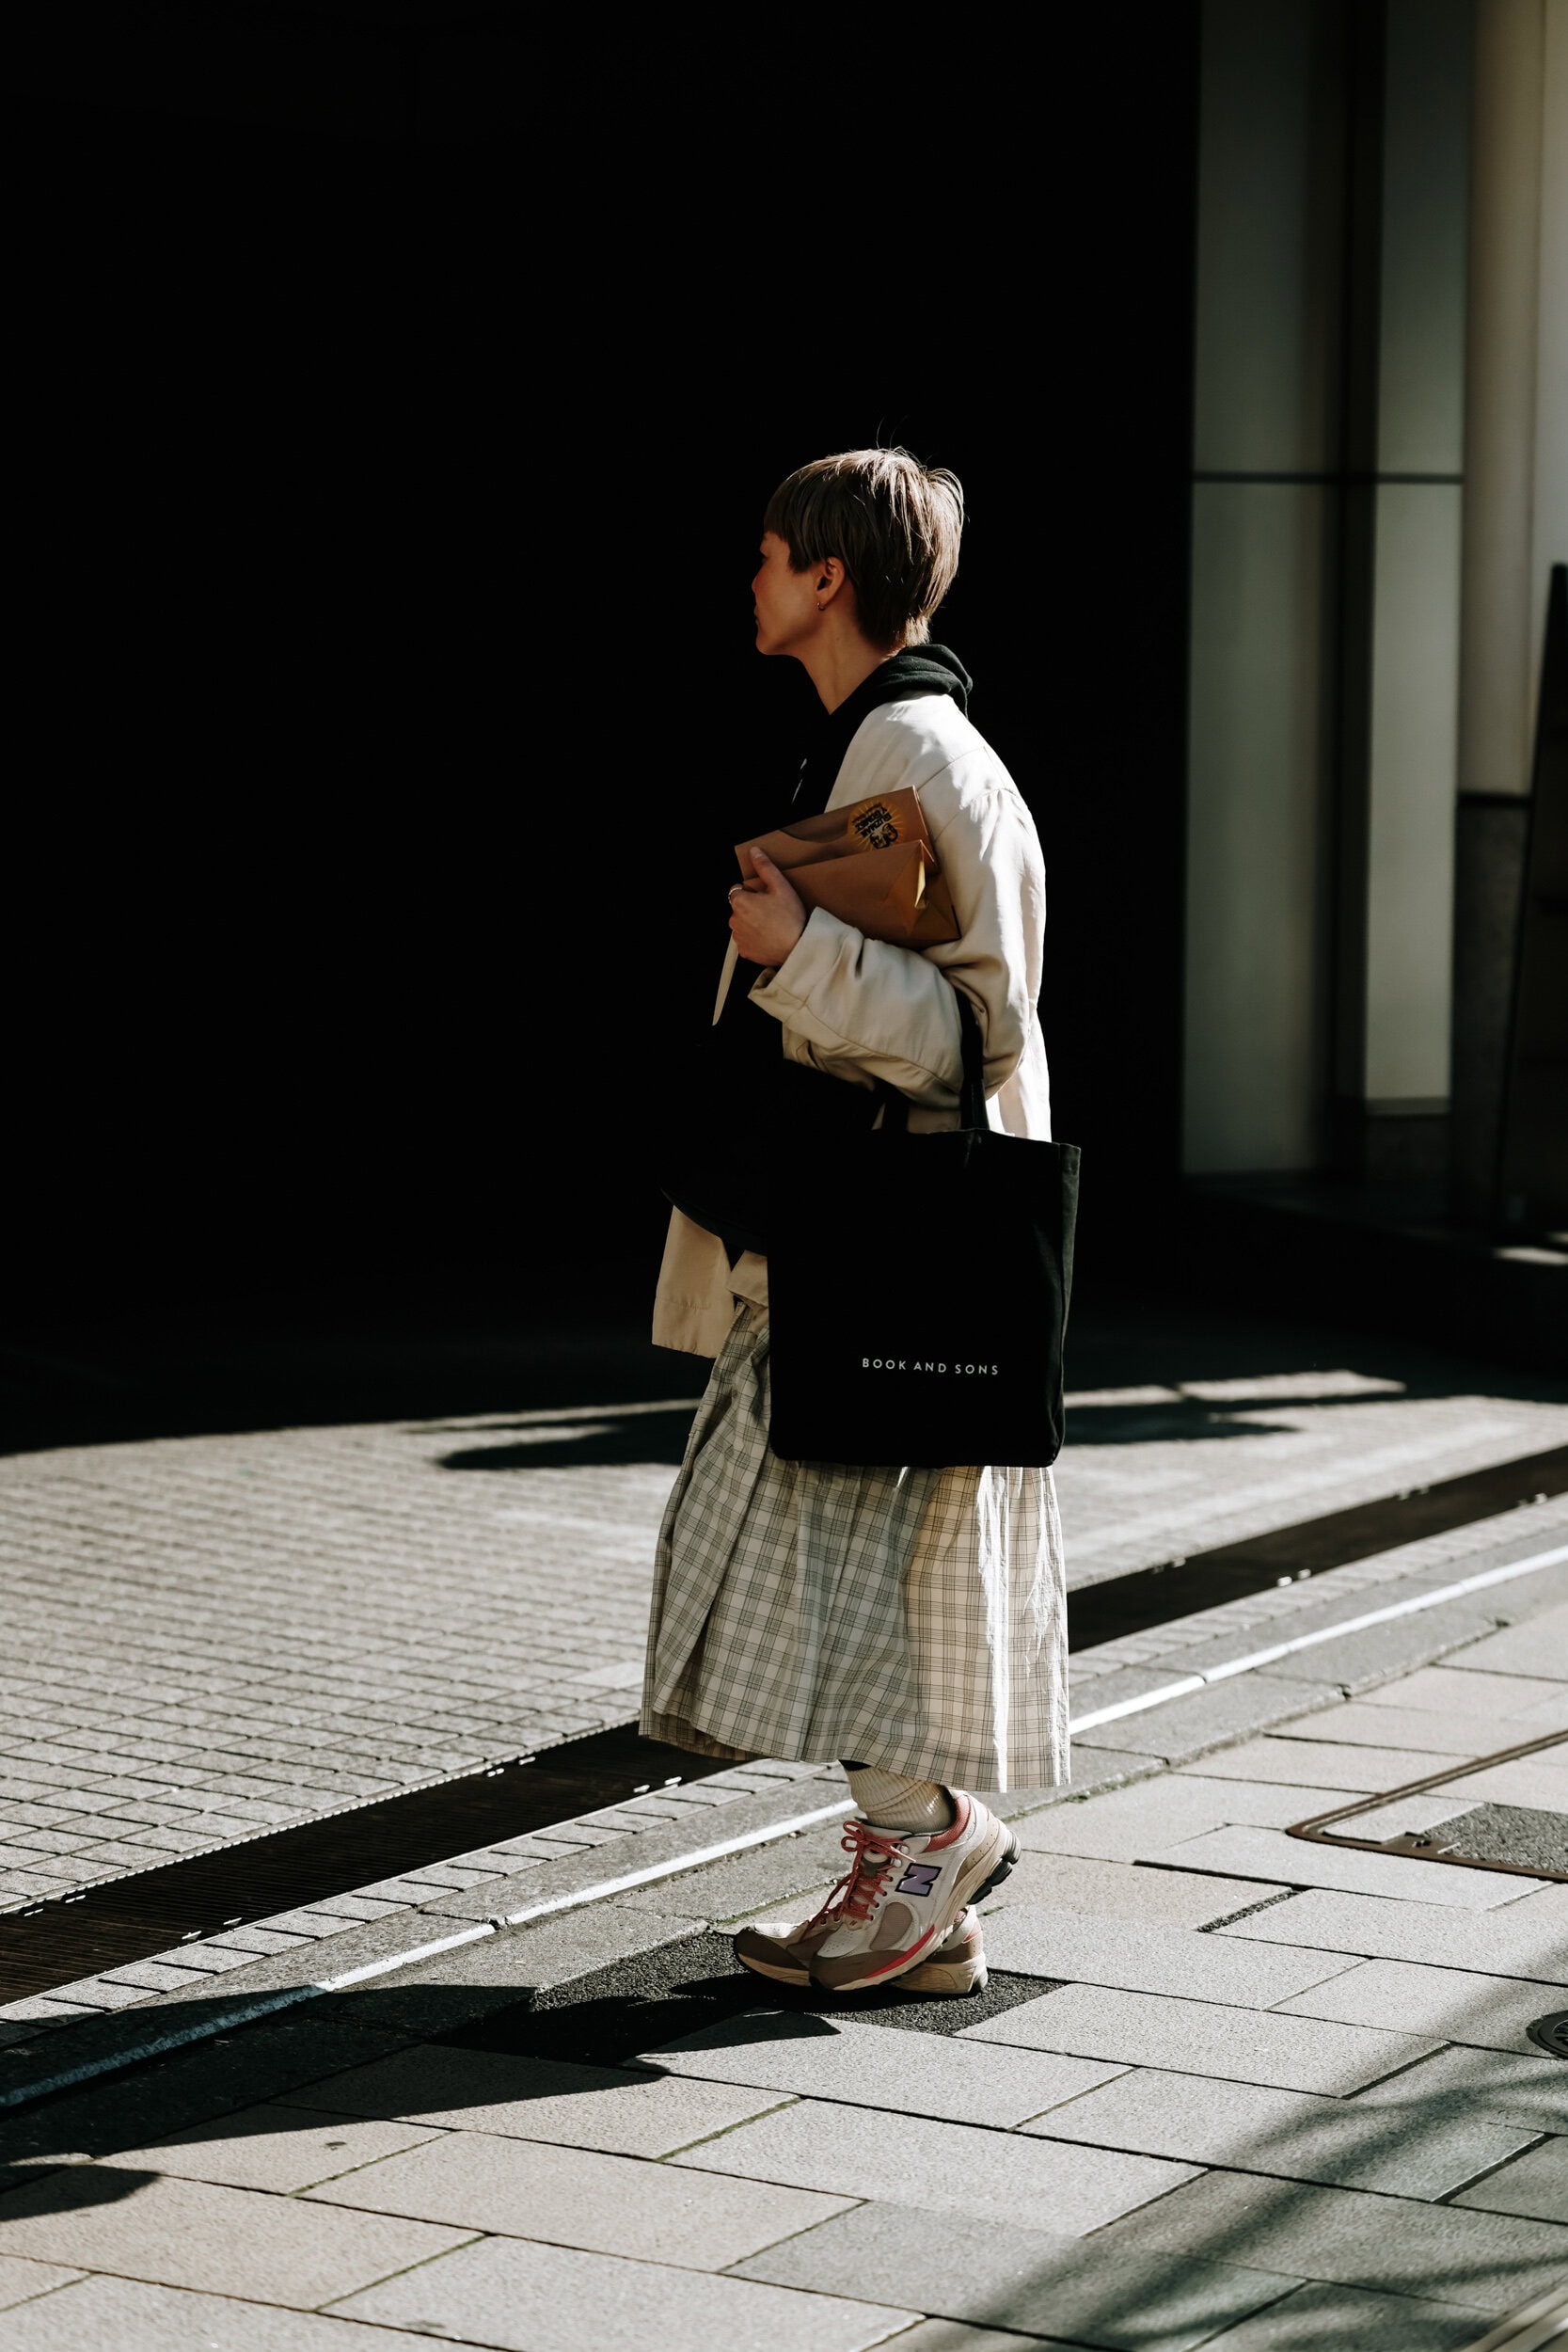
{"x": 1515, "y": 525}
{"x": 1329, "y": 447}
{"x": 1265, "y": 449}
{"x": 1412, "y": 716}
{"x": 1498, "y": 648}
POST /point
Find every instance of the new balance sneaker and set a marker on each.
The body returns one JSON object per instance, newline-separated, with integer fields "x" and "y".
{"x": 784, "y": 1953}
{"x": 904, "y": 1891}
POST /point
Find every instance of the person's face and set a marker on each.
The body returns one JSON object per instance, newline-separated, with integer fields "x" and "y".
{"x": 785, "y": 602}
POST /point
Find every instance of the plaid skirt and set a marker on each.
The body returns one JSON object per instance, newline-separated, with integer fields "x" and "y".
{"x": 912, "y": 1620}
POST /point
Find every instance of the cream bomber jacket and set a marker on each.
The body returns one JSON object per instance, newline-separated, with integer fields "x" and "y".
{"x": 861, "y": 1008}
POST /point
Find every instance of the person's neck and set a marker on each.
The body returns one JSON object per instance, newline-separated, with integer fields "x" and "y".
{"x": 836, "y": 665}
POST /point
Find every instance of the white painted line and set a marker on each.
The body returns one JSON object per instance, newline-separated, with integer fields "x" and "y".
{"x": 1325, "y": 1633}
{"x": 1135, "y": 1706}
{"x": 599, "y": 1892}
{"x": 401, "y": 1959}
{"x": 686, "y": 1862}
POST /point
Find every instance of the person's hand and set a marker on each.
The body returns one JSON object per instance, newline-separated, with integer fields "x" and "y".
{"x": 766, "y": 916}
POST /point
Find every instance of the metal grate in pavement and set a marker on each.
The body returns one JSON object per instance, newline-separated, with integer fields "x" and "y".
{"x": 1524, "y": 1839}
{"x": 1205, "y": 1579}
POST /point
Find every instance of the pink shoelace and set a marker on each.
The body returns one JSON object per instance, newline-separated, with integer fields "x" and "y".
{"x": 872, "y": 1853}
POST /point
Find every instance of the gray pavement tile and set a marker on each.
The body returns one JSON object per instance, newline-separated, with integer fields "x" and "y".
{"x": 97, "y": 1993}
{"x": 1203, "y": 2038}
{"x": 126, "y": 2315}
{"x": 1347, "y": 2319}
{"x": 1537, "y": 1905}
{"x": 1359, "y": 1661}
{"x": 1537, "y": 1647}
{"x": 1535, "y": 2184}
{"x": 191, "y": 2086}
{"x": 910, "y": 2159}
{"x": 1362, "y": 1723}
{"x": 746, "y": 1884}
{"x": 1393, "y": 2245}
{"x": 1495, "y": 1697}
{"x": 1100, "y": 1766}
{"x": 1116, "y": 1890}
{"x": 258, "y": 1941}
{"x": 526, "y": 2298}
{"x": 226, "y": 2241}
{"x": 20, "y": 2279}
{"x": 1213, "y": 1718}
{"x": 621, "y": 2113}
{"x": 1505, "y": 1943}
{"x": 152, "y": 1976}
{"x": 1127, "y": 1823}
{"x": 823, "y": 2057}
{"x": 1248, "y": 2128}
{"x": 279, "y": 2148}
{"x": 1321, "y": 1764}
{"x": 576, "y": 2196}
{"x": 1446, "y": 2003}
{"x": 1265, "y": 1853}
{"x": 201, "y": 1960}
{"x": 1149, "y": 1956}
{"x": 1539, "y": 1780}
{"x": 1470, "y": 2082}
{"x": 997, "y": 2274}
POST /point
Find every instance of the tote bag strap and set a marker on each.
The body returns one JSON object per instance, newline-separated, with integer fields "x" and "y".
{"x": 971, "y": 1097}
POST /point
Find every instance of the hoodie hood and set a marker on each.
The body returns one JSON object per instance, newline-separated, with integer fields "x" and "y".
{"x": 919, "y": 670}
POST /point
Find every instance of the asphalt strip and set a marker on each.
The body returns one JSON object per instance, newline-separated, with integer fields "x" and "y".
{"x": 268, "y": 2004}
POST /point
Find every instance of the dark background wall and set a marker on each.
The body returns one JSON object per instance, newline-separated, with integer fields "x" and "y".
{"x": 387, "y": 699}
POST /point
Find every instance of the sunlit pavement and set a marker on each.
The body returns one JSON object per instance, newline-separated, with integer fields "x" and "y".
{"x": 1226, "y": 2087}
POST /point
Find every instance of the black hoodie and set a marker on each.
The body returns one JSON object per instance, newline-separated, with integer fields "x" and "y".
{"x": 921, "y": 669}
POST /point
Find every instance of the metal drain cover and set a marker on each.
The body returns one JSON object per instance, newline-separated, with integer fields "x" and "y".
{"x": 1526, "y": 1836}
{"x": 1551, "y": 2033}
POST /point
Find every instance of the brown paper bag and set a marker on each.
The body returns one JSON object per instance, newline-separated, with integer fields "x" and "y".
{"x": 897, "y": 894}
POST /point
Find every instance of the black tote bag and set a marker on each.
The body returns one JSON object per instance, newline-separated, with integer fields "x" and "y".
{"x": 918, "y": 1300}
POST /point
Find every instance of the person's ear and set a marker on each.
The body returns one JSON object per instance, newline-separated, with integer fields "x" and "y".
{"x": 830, "y": 580}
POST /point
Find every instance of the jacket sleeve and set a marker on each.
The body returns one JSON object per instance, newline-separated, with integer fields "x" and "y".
{"x": 864, "y": 1009}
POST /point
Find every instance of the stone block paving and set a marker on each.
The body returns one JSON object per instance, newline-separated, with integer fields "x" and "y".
{"x": 1193, "y": 2107}
{"x": 209, "y": 1638}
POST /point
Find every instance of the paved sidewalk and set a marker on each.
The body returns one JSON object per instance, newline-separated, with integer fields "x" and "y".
{"x": 208, "y": 1637}
{"x": 1225, "y": 2089}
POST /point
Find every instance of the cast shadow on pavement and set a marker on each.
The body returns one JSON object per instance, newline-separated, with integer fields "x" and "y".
{"x": 588, "y": 1444}
{"x": 1182, "y": 2265}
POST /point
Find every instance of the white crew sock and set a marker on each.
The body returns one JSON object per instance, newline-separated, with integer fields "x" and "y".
{"x": 890, "y": 1802}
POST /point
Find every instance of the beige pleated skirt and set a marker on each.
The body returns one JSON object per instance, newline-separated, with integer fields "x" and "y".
{"x": 912, "y": 1620}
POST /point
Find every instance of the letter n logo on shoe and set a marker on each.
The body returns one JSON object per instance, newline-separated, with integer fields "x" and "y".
{"x": 919, "y": 1877}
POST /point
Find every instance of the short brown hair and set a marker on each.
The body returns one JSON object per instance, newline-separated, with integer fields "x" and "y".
{"x": 893, "y": 523}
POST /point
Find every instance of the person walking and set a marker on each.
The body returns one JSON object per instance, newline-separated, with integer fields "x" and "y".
{"x": 909, "y": 1622}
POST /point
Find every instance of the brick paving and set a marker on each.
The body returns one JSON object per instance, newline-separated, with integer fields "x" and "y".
{"x": 208, "y": 1637}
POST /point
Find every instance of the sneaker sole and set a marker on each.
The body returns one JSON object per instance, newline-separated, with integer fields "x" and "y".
{"x": 944, "y": 1979}
{"x": 782, "y": 1974}
{"x": 976, "y": 1892}
{"x": 938, "y": 1977}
